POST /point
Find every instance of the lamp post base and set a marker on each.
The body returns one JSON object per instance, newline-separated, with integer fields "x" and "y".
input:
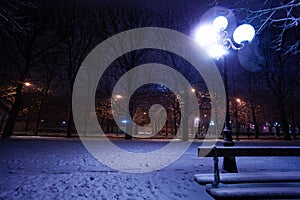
{"x": 128, "y": 137}
{"x": 229, "y": 163}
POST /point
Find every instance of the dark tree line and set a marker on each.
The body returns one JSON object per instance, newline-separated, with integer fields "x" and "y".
{"x": 45, "y": 42}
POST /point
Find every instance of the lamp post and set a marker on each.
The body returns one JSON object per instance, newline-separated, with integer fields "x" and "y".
{"x": 215, "y": 40}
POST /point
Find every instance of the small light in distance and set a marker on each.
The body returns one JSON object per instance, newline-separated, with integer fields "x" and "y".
{"x": 124, "y": 121}
{"x": 27, "y": 84}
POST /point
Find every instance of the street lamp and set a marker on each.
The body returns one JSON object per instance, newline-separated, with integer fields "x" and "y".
{"x": 215, "y": 40}
{"x": 118, "y": 96}
{"x": 27, "y": 84}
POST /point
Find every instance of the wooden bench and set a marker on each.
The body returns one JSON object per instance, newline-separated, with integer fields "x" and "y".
{"x": 250, "y": 185}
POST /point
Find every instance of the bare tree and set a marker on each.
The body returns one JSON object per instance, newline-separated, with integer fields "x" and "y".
{"x": 279, "y": 71}
{"x": 115, "y": 20}
{"x": 45, "y": 88}
{"x": 268, "y": 13}
{"x": 77, "y": 30}
{"x": 27, "y": 48}
{"x": 253, "y": 92}
{"x": 10, "y": 18}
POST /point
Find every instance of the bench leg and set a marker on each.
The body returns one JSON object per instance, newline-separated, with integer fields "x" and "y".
{"x": 216, "y": 167}
{"x": 229, "y": 163}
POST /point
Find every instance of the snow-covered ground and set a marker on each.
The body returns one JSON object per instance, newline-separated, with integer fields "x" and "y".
{"x": 64, "y": 169}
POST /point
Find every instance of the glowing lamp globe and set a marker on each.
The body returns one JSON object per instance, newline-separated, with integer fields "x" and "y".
{"x": 205, "y": 35}
{"x": 243, "y": 33}
{"x": 220, "y": 23}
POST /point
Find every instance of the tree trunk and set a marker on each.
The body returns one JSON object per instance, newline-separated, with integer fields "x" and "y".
{"x": 70, "y": 120}
{"x": 174, "y": 120}
{"x": 70, "y": 124}
{"x": 185, "y": 124}
{"x": 237, "y": 126}
{"x": 293, "y": 128}
{"x": 185, "y": 129}
{"x": 283, "y": 119}
{"x": 293, "y": 125}
{"x": 38, "y": 118}
{"x": 166, "y": 128}
{"x": 26, "y": 125}
{"x": 2, "y": 121}
{"x": 10, "y": 123}
{"x": 128, "y": 132}
{"x": 41, "y": 107}
{"x": 254, "y": 121}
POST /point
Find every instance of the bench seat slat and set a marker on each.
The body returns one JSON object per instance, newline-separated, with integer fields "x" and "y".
{"x": 249, "y": 177}
{"x": 250, "y": 151}
{"x": 244, "y": 191}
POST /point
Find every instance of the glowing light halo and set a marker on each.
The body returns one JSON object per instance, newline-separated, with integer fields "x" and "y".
{"x": 205, "y": 35}
{"x": 217, "y": 51}
{"x": 211, "y": 14}
{"x": 212, "y": 35}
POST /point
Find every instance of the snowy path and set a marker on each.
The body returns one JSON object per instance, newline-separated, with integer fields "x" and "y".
{"x": 64, "y": 169}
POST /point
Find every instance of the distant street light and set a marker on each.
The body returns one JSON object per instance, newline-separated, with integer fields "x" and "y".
{"x": 27, "y": 84}
{"x": 29, "y": 87}
{"x": 124, "y": 121}
{"x": 118, "y": 96}
{"x": 215, "y": 40}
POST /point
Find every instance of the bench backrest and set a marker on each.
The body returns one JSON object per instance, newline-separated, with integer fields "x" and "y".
{"x": 221, "y": 151}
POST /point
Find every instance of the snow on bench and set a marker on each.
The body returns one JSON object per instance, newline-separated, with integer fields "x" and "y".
{"x": 250, "y": 184}
{"x": 255, "y": 191}
{"x": 250, "y": 177}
